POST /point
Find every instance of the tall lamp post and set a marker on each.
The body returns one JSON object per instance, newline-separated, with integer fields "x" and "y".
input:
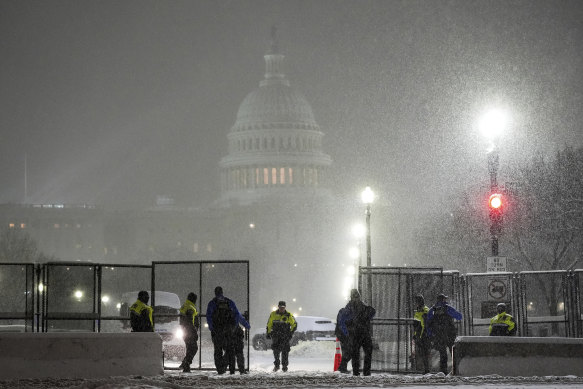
{"x": 492, "y": 124}
{"x": 358, "y": 231}
{"x": 367, "y": 198}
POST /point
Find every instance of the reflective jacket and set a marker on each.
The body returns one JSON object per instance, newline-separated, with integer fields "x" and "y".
{"x": 281, "y": 324}
{"x": 188, "y": 317}
{"x": 141, "y": 317}
{"x": 420, "y": 323}
{"x": 502, "y": 325}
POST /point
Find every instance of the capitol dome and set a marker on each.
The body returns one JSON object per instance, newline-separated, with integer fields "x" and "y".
{"x": 274, "y": 103}
{"x": 275, "y": 145}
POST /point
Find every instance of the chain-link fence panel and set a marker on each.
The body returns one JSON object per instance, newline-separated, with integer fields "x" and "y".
{"x": 578, "y": 302}
{"x": 391, "y": 292}
{"x": 180, "y": 278}
{"x": 17, "y": 305}
{"x": 173, "y": 281}
{"x": 544, "y": 300}
{"x": 482, "y": 293}
{"x": 69, "y": 297}
{"x": 118, "y": 286}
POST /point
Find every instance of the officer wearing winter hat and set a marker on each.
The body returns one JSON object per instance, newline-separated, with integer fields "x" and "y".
{"x": 141, "y": 314}
{"x": 190, "y": 323}
{"x": 420, "y": 334}
{"x": 502, "y": 324}
{"x": 355, "y": 323}
{"x": 280, "y": 328}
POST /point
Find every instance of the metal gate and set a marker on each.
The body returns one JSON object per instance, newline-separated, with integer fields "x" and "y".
{"x": 180, "y": 278}
{"x": 391, "y": 292}
{"x": 17, "y": 305}
{"x": 481, "y": 293}
{"x": 545, "y": 303}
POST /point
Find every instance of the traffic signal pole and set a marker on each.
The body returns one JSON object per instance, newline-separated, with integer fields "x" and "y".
{"x": 495, "y": 209}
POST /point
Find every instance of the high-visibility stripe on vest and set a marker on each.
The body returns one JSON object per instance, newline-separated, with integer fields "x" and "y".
{"x": 139, "y": 306}
{"x": 419, "y": 317}
{"x": 189, "y": 306}
{"x": 502, "y": 320}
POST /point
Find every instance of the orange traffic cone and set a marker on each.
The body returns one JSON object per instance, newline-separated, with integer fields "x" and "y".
{"x": 337, "y": 356}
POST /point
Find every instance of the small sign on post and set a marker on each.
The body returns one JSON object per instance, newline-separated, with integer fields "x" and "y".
{"x": 496, "y": 264}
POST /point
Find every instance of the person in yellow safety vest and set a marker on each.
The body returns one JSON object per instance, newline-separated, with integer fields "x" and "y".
{"x": 141, "y": 314}
{"x": 502, "y": 324}
{"x": 422, "y": 341}
{"x": 189, "y": 321}
{"x": 280, "y": 327}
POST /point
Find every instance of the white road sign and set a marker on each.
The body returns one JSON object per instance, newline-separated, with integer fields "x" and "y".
{"x": 496, "y": 264}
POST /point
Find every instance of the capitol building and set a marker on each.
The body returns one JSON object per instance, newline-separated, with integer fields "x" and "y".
{"x": 275, "y": 208}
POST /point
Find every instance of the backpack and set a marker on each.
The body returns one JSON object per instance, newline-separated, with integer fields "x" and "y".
{"x": 223, "y": 316}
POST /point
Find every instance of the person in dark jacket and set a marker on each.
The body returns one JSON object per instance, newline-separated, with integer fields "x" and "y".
{"x": 355, "y": 323}
{"x": 422, "y": 342}
{"x": 240, "y": 346}
{"x": 189, "y": 321}
{"x": 280, "y": 328}
{"x": 502, "y": 324}
{"x": 141, "y": 314}
{"x": 223, "y": 317}
{"x": 344, "y": 344}
{"x": 442, "y": 329}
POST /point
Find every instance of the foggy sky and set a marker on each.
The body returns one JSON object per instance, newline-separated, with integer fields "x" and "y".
{"x": 120, "y": 101}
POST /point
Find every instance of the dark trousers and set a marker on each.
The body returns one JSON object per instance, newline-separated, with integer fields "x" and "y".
{"x": 422, "y": 351}
{"x": 239, "y": 356}
{"x": 346, "y": 354}
{"x": 190, "y": 341}
{"x": 224, "y": 354}
{"x": 443, "y": 351}
{"x": 280, "y": 346}
{"x": 364, "y": 341}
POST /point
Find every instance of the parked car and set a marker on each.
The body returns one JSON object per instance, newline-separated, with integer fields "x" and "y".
{"x": 310, "y": 328}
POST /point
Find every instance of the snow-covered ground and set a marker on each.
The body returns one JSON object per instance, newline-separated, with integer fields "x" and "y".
{"x": 311, "y": 365}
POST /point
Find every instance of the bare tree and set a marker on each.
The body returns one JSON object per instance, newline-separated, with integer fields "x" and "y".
{"x": 544, "y": 222}
{"x": 17, "y": 246}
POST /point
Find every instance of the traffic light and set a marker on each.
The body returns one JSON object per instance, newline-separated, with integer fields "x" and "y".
{"x": 495, "y": 202}
{"x": 496, "y": 205}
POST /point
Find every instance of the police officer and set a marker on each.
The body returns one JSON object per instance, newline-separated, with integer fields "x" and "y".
{"x": 223, "y": 317}
{"x": 420, "y": 335}
{"x": 355, "y": 323}
{"x": 280, "y": 327}
{"x": 442, "y": 329}
{"x": 189, "y": 321}
{"x": 502, "y": 324}
{"x": 141, "y": 314}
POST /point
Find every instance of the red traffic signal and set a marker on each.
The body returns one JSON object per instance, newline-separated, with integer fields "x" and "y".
{"x": 495, "y": 201}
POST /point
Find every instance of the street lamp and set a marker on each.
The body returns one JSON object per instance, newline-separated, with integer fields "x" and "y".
{"x": 367, "y": 198}
{"x": 358, "y": 230}
{"x": 492, "y": 124}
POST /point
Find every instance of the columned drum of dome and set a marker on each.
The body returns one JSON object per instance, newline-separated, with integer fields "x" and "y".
{"x": 275, "y": 145}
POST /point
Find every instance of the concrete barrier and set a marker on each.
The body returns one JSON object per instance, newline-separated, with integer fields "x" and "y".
{"x": 79, "y": 355}
{"x": 517, "y": 356}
